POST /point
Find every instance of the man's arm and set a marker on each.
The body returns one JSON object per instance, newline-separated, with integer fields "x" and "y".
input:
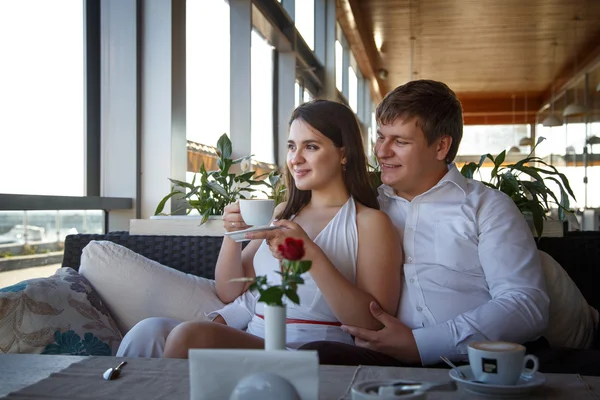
{"x": 518, "y": 307}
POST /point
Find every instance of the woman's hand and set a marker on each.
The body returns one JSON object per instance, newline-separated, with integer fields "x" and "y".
{"x": 277, "y": 237}
{"x": 232, "y": 218}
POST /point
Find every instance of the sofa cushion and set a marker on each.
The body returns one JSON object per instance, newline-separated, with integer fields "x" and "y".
{"x": 61, "y": 314}
{"x": 134, "y": 287}
{"x": 573, "y": 322}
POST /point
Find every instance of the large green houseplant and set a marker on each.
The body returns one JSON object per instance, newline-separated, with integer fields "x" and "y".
{"x": 525, "y": 184}
{"x": 210, "y": 191}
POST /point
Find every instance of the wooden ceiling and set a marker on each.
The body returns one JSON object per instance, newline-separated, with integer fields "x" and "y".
{"x": 487, "y": 51}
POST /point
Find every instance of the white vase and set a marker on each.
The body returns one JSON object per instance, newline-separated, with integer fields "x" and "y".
{"x": 275, "y": 318}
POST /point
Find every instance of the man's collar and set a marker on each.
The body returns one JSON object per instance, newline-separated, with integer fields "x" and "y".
{"x": 452, "y": 176}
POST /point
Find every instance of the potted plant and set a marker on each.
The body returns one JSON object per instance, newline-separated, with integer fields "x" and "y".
{"x": 525, "y": 184}
{"x": 210, "y": 191}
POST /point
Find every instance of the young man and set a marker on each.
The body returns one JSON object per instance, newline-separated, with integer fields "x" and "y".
{"x": 472, "y": 270}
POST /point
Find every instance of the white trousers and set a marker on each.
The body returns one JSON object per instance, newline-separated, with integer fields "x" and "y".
{"x": 147, "y": 338}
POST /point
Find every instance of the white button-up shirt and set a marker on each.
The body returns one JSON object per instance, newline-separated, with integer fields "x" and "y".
{"x": 472, "y": 270}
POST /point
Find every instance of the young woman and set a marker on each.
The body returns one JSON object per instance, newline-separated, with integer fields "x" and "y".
{"x": 353, "y": 246}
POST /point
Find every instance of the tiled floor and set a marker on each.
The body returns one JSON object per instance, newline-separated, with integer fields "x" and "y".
{"x": 11, "y": 277}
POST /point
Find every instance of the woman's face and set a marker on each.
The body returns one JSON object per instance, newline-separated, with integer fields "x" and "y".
{"x": 312, "y": 158}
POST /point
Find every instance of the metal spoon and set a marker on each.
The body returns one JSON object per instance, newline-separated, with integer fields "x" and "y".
{"x": 408, "y": 388}
{"x": 113, "y": 373}
{"x": 454, "y": 367}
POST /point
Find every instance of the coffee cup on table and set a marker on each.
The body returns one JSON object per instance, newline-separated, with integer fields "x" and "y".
{"x": 257, "y": 212}
{"x": 500, "y": 363}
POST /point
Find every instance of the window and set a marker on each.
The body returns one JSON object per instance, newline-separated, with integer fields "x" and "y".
{"x": 305, "y": 20}
{"x": 262, "y": 69}
{"x": 42, "y": 96}
{"x": 352, "y": 89}
{"x": 481, "y": 139}
{"x": 339, "y": 65}
{"x": 306, "y": 96}
{"x": 296, "y": 94}
{"x": 207, "y": 70}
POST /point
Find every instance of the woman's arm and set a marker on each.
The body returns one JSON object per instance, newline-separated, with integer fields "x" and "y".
{"x": 234, "y": 263}
{"x": 378, "y": 272}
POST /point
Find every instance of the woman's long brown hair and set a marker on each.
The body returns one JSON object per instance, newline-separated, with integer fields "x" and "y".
{"x": 338, "y": 123}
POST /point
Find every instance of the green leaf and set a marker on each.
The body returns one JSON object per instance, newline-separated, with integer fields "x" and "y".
{"x": 509, "y": 184}
{"x": 182, "y": 183}
{"x": 217, "y": 188}
{"x": 499, "y": 160}
{"x": 224, "y": 147}
{"x": 482, "y": 159}
{"x": 295, "y": 279}
{"x": 272, "y": 296}
{"x": 304, "y": 266}
{"x": 162, "y": 203}
{"x": 468, "y": 170}
{"x": 293, "y": 296}
{"x": 245, "y": 176}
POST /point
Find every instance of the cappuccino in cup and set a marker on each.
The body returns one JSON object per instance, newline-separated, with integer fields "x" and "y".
{"x": 257, "y": 212}
{"x": 500, "y": 363}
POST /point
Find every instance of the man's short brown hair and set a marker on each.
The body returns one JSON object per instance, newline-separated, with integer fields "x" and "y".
{"x": 433, "y": 104}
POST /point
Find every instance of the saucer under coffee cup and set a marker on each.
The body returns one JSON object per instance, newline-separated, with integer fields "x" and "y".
{"x": 500, "y": 363}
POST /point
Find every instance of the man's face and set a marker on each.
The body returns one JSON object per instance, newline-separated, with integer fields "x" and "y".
{"x": 408, "y": 164}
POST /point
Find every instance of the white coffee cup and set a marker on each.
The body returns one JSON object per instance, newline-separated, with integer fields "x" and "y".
{"x": 500, "y": 363}
{"x": 257, "y": 212}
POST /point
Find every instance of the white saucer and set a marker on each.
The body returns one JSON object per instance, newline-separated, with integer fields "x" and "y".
{"x": 522, "y": 388}
{"x": 238, "y": 236}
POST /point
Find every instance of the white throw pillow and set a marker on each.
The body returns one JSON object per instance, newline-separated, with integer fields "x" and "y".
{"x": 573, "y": 321}
{"x": 134, "y": 288}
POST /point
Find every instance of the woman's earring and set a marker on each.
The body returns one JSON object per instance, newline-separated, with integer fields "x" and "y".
{"x": 343, "y": 167}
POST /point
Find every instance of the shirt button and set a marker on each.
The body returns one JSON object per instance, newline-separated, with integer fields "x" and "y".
{"x": 412, "y": 280}
{"x": 409, "y": 259}
{"x": 419, "y": 309}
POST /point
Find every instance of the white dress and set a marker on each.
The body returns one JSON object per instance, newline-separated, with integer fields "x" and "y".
{"x": 339, "y": 242}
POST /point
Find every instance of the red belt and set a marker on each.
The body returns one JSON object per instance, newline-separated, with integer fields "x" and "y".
{"x": 305, "y": 321}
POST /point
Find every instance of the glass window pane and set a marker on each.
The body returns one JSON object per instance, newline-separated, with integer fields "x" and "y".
{"x": 296, "y": 94}
{"x": 339, "y": 65}
{"x": 32, "y": 242}
{"x": 305, "y": 20}
{"x": 481, "y": 139}
{"x": 42, "y": 97}
{"x": 306, "y": 96}
{"x": 207, "y": 70}
{"x": 352, "y": 89}
{"x": 262, "y": 99}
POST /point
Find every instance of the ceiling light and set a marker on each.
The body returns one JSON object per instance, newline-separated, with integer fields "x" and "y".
{"x": 551, "y": 120}
{"x": 526, "y": 141}
{"x": 574, "y": 110}
{"x": 514, "y": 149}
{"x": 382, "y": 73}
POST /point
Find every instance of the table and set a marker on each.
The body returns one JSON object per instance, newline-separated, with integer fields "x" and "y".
{"x": 153, "y": 378}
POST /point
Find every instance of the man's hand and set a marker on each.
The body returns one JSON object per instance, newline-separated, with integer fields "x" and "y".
{"x": 395, "y": 339}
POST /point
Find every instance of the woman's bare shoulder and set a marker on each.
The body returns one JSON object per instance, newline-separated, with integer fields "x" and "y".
{"x": 370, "y": 217}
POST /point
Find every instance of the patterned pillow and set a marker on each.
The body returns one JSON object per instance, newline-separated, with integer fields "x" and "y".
{"x": 61, "y": 314}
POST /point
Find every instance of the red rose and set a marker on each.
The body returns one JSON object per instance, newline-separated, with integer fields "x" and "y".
{"x": 292, "y": 250}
